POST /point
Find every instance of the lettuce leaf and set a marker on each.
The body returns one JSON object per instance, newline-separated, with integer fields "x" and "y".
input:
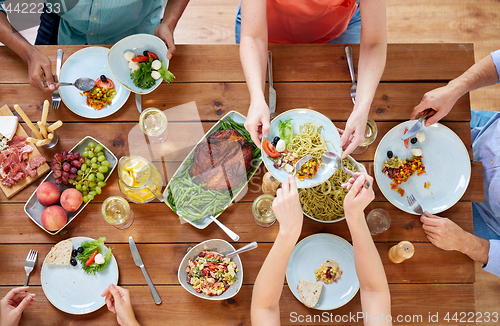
{"x": 165, "y": 74}
{"x": 286, "y": 131}
{"x": 88, "y": 249}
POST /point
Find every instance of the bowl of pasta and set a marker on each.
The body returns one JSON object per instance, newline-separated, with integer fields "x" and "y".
{"x": 325, "y": 202}
{"x": 293, "y": 135}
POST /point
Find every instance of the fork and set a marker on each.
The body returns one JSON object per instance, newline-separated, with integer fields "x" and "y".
{"x": 348, "y": 52}
{"x": 29, "y": 264}
{"x": 414, "y": 205}
{"x": 56, "y": 98}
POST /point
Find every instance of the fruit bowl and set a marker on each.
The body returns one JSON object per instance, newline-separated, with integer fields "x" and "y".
{"x": 33, "y": 207}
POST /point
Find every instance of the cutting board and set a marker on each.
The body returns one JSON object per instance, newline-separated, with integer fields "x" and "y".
{"x": 9, "y": 192}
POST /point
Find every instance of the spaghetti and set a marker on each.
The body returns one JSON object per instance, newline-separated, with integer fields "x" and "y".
{"x": 325, "y": 202}
{"x": 308, "y": 141}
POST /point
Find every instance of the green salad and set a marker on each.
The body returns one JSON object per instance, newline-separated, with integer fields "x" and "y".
{"x": 88, "y": 257}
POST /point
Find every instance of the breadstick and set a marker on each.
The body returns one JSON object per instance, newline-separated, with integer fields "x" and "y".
{"x": 50, "y": 135}
{"x": 43, "y": 131}
{"x": 28, "y": 121}
{"x": 31, "y": 140}
{"x": 54, "y": 126}
{"x": 42, "y": 142}
{"x": 45, "y": 113}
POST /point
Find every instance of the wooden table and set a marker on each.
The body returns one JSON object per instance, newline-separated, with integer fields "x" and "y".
{"x": 314, "y": 76}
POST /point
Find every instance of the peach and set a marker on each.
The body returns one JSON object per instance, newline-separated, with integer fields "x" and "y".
{"x": 48, "y": 193}
{"x": 71, "y": 199}
{"x": 54, "y": 218}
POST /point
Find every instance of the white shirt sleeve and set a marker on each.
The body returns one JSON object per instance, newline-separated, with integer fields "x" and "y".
{"x": 495, "y": 55}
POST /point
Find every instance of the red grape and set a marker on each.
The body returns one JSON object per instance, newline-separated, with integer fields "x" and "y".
{"x": 57, "y": 174}
{"x": 65, "y": 175}
{"x": 64, "y": 153}
{"x": 58, "y": 181}
{"x": 57, "y": 167}
{"x": 82, "y": 159}
{"x": 76, "y": 163}
{"x": 59, "y": 157}
{"x": 72, "y": 176}
{"x": 77, "y": 156}
{"x": 70, "y": 157}
{"x": 73, "y": 170}
{"x": 66, "y": 166}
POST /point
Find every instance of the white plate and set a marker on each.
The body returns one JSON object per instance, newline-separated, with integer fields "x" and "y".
{"x": 89, "y": 62}
{"x": 329, "y": 133}
{"x": 447, "y": 166}
{"x": 308, "y": 256}
{"x": 70, "y": 289}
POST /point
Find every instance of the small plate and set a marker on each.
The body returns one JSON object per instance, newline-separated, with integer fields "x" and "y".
{"x": 360, "y": 168}
{"x": 219, "y": 246}
{"x": 71, "y": 289}
{"x": 89, "y": 62}
{"x": 308, "y": 256}
{"x": 447, "y": 166}
{"x": 34, "y": 209}
{"x": 329, "y": 133}
{"x": 137, "y": 43}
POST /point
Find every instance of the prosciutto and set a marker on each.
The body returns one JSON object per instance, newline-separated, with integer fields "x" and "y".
{"x": 14, "y": 164}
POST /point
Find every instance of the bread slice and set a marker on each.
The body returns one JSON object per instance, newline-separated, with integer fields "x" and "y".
{"x": 60, "y": 254}
{"x": 309, "y": 292}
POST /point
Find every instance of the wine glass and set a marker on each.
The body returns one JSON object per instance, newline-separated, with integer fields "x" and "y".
{"x": 370, "y": 136}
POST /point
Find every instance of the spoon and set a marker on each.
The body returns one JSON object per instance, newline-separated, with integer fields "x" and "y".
{"x": 334, "y": 162}
{"x": 248, "y": 247}
{"x": 83, "y": 84}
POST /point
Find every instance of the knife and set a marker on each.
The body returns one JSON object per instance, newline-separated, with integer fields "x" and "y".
{"x": 138, "y": 263}
{"x": 272, "y": 91}
{"x": 138, "y": 102}
{"x": 419, "y": 124}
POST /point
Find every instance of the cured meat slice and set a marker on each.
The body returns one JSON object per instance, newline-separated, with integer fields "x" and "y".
{"x": 14, "y": 165}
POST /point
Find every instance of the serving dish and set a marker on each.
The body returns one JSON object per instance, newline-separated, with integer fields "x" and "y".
{"x": 34, "y": 209}
{"x": 137, "y": 43}
{"x": 360, "y": 168}
{"x": 205, "y": 221}
{"x": 447, "y": 166}
{"x": 309, "y": 254}
{"x": 71, "y": 289}
{"x": 89, "y": 62}
{"x": 329, "y": 133}
{"x": 219, "y": 246}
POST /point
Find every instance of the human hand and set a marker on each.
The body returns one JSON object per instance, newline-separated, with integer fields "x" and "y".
{"x": 40, "y": 71}
{"x": 13, "y": 305}
{"x": 118, "y": 302}
{"x": 354, "y": 133}
{"x": 358, "y": 196}
{"x": 287, "y": 208}
{"x": 166, "y": 33}
{"x": 257, "y": 122}
{"x": 442, "y": 232}
{"x": 440, "y": 100}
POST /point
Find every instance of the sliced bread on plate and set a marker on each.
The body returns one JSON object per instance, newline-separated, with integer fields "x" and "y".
{"x": 309, "y": 292}
{"x": 60, "y": 254}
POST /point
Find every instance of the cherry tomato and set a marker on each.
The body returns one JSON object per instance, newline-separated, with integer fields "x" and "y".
{"x": 270, "y": 149}
{"x": 153, "y": 55}
{"x": 91, "y": 258}
{"x": 140, "y": 58}
{"x": 108, "y": 84}
{"x": 406, "y": 140}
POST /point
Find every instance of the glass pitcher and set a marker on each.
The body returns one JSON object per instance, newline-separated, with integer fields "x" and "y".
{"x": 139, "y": 180}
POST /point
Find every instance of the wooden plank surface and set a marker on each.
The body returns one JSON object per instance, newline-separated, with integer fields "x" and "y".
{"x": 23, "y": 183}
{"x": 301, "y": 62}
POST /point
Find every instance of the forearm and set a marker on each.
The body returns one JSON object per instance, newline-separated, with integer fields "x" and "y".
{"x": 12, "y": 39}
{"x": 253, "y": 55}
{"x": 173, "y": 12}
{"x": 481, "y": 74}
{"x": 476, "y": 248}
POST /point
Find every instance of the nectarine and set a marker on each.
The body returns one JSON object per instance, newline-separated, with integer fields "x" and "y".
{"x": 54, "y": 218}
{"x": 71, "y": 199}
{"x": 48, "y": 193}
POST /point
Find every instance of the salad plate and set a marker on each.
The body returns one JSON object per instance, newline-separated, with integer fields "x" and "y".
{"x": 71, "y": 289}
{"x": 328, "y": 132}
{"x": 137, "y": 43}
{"x": 447, "y": 166}
{"x": 308, "y": 256}
{"x": 89, "y": 62}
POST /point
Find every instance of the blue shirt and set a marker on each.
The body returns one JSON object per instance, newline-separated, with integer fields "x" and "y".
{"x": 486, "y": 149}
{"x": 105, "y": 21}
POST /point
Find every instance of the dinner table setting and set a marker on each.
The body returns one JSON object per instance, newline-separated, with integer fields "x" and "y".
{"x": 138, "y": 169}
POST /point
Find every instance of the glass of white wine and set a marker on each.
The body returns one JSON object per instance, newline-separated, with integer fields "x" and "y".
{"x": 153, "y": 123}
{"x": 116, "y": 211}
{"x": 262, "y": 210}
{"x": 370, "y": 136}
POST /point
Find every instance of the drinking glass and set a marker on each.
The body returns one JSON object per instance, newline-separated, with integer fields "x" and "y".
{"x": 139, "y": 180}
{"x": 378, "y": 221}
{"x": 262, "y": 210}
{"x": 116, "y": 211}
{"x": 53, "y": 141}
{"x": 370, "y": 136}
{"x": 153, "y": 123}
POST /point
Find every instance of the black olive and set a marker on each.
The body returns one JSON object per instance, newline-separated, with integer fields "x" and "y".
{"x": 103, "y": 78}
{"x": 73, "y": 261}
{"x": 74, "y": 253}
{"x": 275, "y": 141}
{"x": 145, "y": 53}
{"x": 413, "y": 140}
{"x": 80, "y": 250}
{"x": 390, "y": 154}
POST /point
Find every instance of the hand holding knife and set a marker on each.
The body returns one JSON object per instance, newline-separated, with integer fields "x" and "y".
{"x": 419, "y": 124}
{"x": 138, "y": 262}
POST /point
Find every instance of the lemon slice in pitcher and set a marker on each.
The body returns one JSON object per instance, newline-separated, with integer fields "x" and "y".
{"x": 128, "y": 179}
